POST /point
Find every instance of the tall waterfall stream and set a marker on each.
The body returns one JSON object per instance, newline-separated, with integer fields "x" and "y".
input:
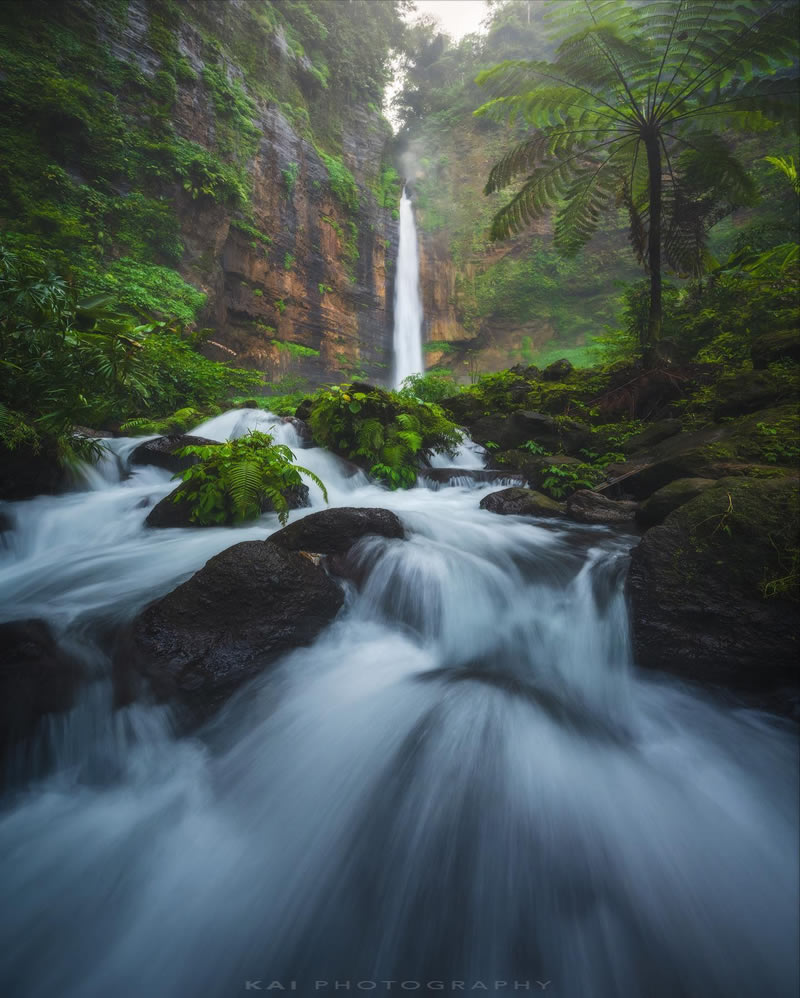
{"x": 463, "y": 785}
{"x": 407, "y": 299}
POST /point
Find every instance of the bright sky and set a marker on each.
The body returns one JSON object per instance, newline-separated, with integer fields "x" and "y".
{"x": 457, "y": 17}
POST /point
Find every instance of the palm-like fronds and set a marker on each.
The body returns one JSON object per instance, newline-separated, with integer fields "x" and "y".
{"x": 622, "y": 116}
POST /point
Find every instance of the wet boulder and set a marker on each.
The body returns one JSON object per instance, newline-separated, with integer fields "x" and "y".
{"x": 161, "y": 452}
{"x": 172, "y": 511}
{"x": 586, "y": 506}
{"x": 335, "y": 531}
{"x": 247, "y": 606}
{"x": 521, "y": 502}
{"x": 301, "y": 428}
{"x": 714, "y": 589}
{"x": 37, "y": 677}
{"x": 435, "y": 478}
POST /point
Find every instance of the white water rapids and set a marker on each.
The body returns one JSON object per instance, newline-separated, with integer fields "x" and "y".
{"x": 463, "y": 780}
{"x": 407, "y": 299}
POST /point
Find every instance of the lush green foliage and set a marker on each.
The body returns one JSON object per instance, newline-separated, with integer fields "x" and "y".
{"x": 70, "y": 360}
{"x": 623, "y": 114}
{"x": 234, "y": 481}
{"x": 428, "y": 387}
{"x": 387, "y": 432}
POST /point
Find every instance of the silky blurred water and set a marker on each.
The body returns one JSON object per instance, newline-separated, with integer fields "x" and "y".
{"x": 464, "y": 779}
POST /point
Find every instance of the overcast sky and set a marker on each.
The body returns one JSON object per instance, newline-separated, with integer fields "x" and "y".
{"x": 457, "y": 17}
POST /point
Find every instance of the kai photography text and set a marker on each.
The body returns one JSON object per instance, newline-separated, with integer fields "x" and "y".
{"x": 485, "y": 987}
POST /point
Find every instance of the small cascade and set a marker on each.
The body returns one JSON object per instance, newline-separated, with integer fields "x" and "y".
{"x": 407, "y": 299}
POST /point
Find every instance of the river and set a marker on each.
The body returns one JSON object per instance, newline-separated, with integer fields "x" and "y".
{"x": 464, "y": 784}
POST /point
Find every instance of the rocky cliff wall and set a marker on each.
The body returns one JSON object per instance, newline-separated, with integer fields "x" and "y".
{"x": 279, "y": 188}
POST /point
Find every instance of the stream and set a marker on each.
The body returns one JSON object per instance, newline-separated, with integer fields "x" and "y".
{"x": 463, "y": 785}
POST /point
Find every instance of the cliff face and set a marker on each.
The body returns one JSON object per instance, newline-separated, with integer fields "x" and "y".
{"x": 279, "y": 187}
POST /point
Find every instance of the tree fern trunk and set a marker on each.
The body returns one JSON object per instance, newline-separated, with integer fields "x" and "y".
{"x": 654, "y": 317}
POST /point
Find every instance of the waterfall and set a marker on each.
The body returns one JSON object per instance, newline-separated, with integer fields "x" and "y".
{"x": 407, "y": 300}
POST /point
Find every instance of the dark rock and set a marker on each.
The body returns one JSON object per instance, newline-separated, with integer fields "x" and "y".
{"x": 247, "y": 606}
{"x": 521, "y": 502}
{"x": 738, "y": 447}
{"x": 552, "y": 434}
{"x": 333, "y": 531}
{"x": 558, "y": 370}
{"x": 778, "y": 345}
{"x": 436, "y": 477}
{"x": 161, "y": 451}
{"x": 25, "y": 473}
{"x": 85, "y": 431}
{"x": 303, "y": 411}
{"x": 661, "y": 503}
{"x": 249, "y": 404}
{"x": 301, "y": 428}
{"x": 714, "y": 592}
{"x": 586, "y": 506}
{"x": 653, "y": 434}
{"x": 36, "y": 678}
{"x": 171, "y": 513}
{"x": 464, "y": 409}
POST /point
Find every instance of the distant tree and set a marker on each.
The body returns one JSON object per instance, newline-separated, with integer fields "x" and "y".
{"x": 630, "y": 112}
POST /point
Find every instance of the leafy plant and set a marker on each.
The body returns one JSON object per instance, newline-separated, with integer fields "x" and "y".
{"x": 428, "y": 387}
{"x": 621, "y": 114}
{"x": 290, "y": 174}
{"x": 235, "y": 481}
{"x": 386, "y": 432}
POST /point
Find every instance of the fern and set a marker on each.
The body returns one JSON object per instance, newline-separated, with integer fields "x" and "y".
{"x": 629, "y": 112}
{"x": 236, "y": 481}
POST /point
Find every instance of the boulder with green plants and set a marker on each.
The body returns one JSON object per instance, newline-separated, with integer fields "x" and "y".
{"x": 389, "y": 434}
{"x": 235, "y": 482}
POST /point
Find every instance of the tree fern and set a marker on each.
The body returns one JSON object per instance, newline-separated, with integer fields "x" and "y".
{"x": 629, "y": 113}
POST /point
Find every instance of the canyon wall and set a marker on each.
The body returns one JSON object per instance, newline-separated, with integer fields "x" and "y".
{"x": 269, "y": 174}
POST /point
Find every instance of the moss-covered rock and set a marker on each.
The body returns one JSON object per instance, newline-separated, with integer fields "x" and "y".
{"x": 714, "y": 589}
{"x": 521, "y": 502}
{"x": 782, "y": 344}
{"x": 761, "y": 445}
{"x": 669, "y": 498}
{"x": 552, "y": 433}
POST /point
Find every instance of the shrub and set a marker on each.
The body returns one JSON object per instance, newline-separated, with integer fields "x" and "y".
{"x": 386, "y": 432}
{"x": 234, "y": 482}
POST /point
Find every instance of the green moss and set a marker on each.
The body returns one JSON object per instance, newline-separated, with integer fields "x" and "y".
{"x": 341, "y": 180}
{"x": 751, "y": 527}
{"x": 296, "y": 349}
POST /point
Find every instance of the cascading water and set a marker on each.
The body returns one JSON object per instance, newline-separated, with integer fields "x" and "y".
{"x": 463, "y": 785}
{"x": 407, "y": 300}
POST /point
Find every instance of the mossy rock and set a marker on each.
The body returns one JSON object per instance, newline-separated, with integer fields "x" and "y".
{"x": 521, "y": 502}
{"x": 782, "y": 344}
{"x": 748, "y": 391}
{"x": 669, "y": 498}
{"x": 714, "y": 589}
{"x": 761, "y": 445}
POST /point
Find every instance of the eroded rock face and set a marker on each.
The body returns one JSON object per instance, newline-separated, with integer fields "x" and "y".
{"x": 36, "y": 678}
{"x": 232, "y": 619}
{"x": 334, "y": 531}
{"x": 169, "y": 512}
{"x": 521, "y": 502}
{"x": 586, "y": 506}
{"x": 162, "y": 451}
{"x": 713, "y": 598}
